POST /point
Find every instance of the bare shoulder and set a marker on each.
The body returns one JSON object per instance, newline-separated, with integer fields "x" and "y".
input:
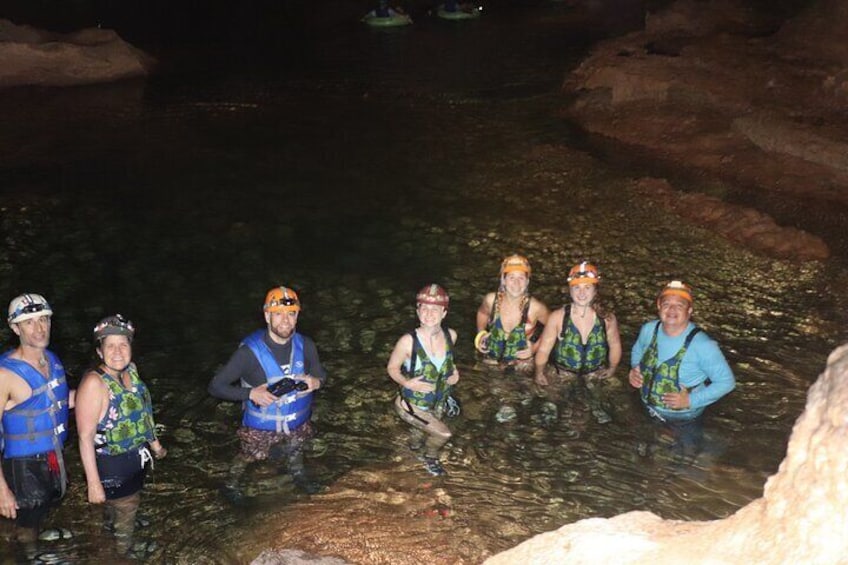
{"x": 488, "y": 301}
{"x": 91, "y": 383}
{"x": 537, "y": 305}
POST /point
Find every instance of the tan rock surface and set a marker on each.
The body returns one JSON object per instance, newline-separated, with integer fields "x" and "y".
{"x": 33, "y": 57}
{"x": 802, "y": 516}
{"x": 709, "y": 87}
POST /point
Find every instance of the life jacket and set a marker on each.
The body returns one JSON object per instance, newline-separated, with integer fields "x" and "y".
{"x": 420, "y": 365}
{"x": 660, "y": 378}
{"x": 502, "y": 346}
{"x": 292, "y": 410}
{"x": 39, "y": 424}
{"x": 128, "y": 422}
{"x": 572, "y": 355}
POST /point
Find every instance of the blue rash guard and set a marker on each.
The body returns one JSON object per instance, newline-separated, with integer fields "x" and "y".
{"x": 703, "y": 361}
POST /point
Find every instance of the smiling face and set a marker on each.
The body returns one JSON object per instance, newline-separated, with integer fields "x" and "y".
{"x": 115, "y": 351}
{"x": 431, "y": 315}
{"x": 281, "y": 325}
{"x": 34, "y": 332}
{"x": 516, "y": 283}
{"x": 583, "y": 294}
{"x": 675, "y": 313}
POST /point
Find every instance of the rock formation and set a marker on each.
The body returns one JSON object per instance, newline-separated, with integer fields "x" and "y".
{"x": 802, "y": 516}
{"x": 715, "y": 88}
{"x": 740, "y": 224}
{"x": 33, "y": 57}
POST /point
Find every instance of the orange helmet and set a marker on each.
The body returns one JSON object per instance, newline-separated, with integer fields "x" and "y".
{"x": 433, "y": 294}
{"x": 583, "y": 272}
{"x": 281, "y": 299}
{"x": 677, "y": 288}
{"x": 515, "y": 263}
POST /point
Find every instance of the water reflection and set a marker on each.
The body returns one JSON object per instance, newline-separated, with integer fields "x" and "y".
{"x": 356, "y": 184}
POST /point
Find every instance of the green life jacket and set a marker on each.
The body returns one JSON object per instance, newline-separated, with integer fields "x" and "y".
{"x": 505, "y": 346}
{"x": 660, "y": 378}
{"x": 572, "y": 355}
{"x": 420, "y": 365}
{"x": 128, "y": 422}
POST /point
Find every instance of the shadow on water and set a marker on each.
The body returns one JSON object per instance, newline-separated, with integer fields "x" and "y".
{"x": 375, "y": 164}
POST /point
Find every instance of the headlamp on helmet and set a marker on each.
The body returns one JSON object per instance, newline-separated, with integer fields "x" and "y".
{"x": 583, "y": 272}
{"x": 28, "y": 306}
{"x": 281, "y": 299}
{"x": 114, "y": 325}
{"x": 677, "y": 288}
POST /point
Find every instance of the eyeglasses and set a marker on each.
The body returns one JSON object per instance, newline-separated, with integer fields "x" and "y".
{"x": 29, "y": 309}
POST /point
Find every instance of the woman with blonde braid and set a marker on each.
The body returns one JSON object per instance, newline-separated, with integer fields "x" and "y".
{"x": 510, "y": 320}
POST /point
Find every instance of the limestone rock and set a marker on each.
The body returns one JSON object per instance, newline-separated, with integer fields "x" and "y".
{"x": 33, "y": 57}
{"x": 745, "y": 226}
{"x": 802, "y": 516}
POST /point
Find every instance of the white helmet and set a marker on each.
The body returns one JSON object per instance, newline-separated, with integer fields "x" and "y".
{"x": 28, "y": 306}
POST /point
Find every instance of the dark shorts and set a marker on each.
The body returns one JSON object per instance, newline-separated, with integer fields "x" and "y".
{"x": 256, "y": 444}
{"x": 37, "y": 485}
{"x": 121, "y": 475}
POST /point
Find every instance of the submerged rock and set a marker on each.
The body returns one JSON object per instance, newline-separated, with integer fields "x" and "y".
{"x": 801, "y": 517}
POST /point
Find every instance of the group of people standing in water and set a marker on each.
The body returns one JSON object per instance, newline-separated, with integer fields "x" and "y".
{"x": 276, "y": 370}
{"x": 114, "y": 417}
{"x": 676, "y": 367}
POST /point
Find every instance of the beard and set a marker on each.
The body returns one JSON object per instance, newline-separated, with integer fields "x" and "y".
{"x": 281, "y": 332}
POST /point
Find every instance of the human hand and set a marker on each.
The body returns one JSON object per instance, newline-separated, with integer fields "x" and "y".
{"x": 676, "y": 400}
{"x": 524, "y": 354}
{"x": 314, "y": 383}
{"x": 96, "y": 494}
{"x": 260, "y": 396}
{"x": 158, "y": 451}
{"x": 8, "y": 503}
{"x": 454, "y": 378}
{"x": 418, "y": 385}
{"x": 635, "y": 377}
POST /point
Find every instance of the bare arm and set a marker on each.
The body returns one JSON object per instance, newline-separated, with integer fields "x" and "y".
{"x": 546, "y": 345}
{"x": 454, "y": 378}
{"x": 614, "y": 342}
{"x": 8, "y": 503}
{"x": 484, "y": 312}
{"x": 92, "y": 402}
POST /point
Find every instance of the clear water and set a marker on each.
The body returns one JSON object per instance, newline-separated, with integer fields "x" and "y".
{"x": 356, "y": 169}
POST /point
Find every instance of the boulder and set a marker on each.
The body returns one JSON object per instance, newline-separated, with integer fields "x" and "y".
{"x": 29, "y": 56}
{"x": 802, "y": 516}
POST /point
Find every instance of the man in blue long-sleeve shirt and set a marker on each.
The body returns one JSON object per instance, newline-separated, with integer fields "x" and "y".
{"x": 678, "y": 368}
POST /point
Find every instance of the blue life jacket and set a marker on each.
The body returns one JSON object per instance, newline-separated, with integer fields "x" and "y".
{"x": 40, "y": 423}
{"x": 292, "y": 410}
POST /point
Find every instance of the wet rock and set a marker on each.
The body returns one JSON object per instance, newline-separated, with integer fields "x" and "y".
{"x": 709, "y": 86}
{"x": 802, "y": 505}
{"x": 294, "y": 557}
{"x": 53, "y": 534}
{"x": 33, "y": 57}
{"x": 506, "y": 414}
{"x": 742, "y": 225}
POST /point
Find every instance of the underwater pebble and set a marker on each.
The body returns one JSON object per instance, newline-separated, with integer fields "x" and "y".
{"x": 505, "y": 414}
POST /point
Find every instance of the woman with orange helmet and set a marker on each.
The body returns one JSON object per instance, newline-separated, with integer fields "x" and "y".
{"x": 422, "y": 363}
{"x": 582, "y": 335}
{"x": 508, "y": 321}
